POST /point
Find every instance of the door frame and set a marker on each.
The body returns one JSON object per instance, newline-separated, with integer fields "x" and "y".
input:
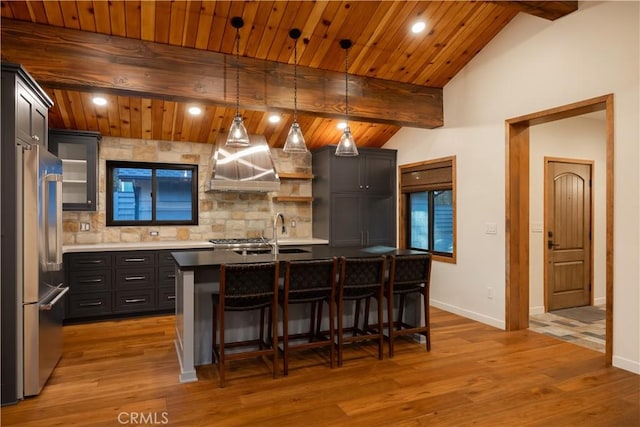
{"x": 546, "y": 226}
{"x": 517, "y": 210}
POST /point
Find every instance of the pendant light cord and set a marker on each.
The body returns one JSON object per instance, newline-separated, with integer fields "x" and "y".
{"x": 295, "y": 80}
{"x": 346, "y": 86}
{"x": 237, "y": 71}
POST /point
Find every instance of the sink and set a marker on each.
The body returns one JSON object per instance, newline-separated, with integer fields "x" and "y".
{"x": 252, "y": 251}
{"x": 268, "y": 251}
{"x": 293, "y": 251}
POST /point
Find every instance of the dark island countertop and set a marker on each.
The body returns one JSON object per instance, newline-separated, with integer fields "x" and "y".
{"x": 191, "y": 260}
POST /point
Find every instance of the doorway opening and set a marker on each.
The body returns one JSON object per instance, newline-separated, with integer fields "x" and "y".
{"x": 518, "y": 205}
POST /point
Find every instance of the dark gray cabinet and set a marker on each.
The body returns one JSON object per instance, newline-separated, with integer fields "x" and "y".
{"x": 24, "y": 112}
{"x": 78, "y": 151}
{"x": 354, "y": 197}
{"x": 116, "y": 284}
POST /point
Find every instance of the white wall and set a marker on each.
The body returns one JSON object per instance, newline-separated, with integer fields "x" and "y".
{"x": 533, "y": 65}
{"x": 582, "y": 137}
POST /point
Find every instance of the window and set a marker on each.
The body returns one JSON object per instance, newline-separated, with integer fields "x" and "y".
{"x": 428, "y": 200}
{"x": 151, "y": 194}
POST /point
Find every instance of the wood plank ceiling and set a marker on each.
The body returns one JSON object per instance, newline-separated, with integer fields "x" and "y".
{"x": 384, "y": 50}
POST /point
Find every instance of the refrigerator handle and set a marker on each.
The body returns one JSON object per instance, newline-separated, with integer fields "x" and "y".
{"x": 50, "y": 304}
{"x": 53, "y": 260}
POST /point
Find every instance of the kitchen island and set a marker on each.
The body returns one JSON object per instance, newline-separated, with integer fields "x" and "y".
{"x": 197, "y": 277}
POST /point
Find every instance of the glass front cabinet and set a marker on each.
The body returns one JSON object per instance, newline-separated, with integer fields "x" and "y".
{"x": 78, "y": 151}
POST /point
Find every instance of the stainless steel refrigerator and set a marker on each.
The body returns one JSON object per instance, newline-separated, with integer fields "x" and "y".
{"x": 43, "y": 289}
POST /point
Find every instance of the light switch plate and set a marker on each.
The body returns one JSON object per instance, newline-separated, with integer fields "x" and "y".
{"x": 536, "y": 227}
{"x": 490, "y": 228}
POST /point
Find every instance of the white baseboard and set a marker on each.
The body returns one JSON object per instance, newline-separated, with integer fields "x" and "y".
{"x": 536, "y": 310}
{"x": 497, "y": 323}
{"x": 626, "y": 364}
{"x": 600, "y": 301}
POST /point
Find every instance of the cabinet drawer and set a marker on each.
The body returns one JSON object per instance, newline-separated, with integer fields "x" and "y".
{"x": 128, "y": 278}
{"x": 166, "y": 276}
{"x": 90, "y": 281}
{"x": 166, "y": 297}
{"x": 89, "y": 261}
{"x": 135, "y": 300}
{"x": 86, "y": 305}
{"x": 135, "y": 259}
{"x": 165, "y": 259}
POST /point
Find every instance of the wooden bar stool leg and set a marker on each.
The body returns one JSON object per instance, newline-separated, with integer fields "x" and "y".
{"x": 427, "y": 324}
{"x": 340, "y": 333}
{"x": 221, "y": 351}
{"x": 380, "y": 328}
{"x": 332, "y": 348}
{"x": 390, "y": 322}
{"x": 285, "y": 339}
{"x": 367, "y": 307}
{"x": 400, "y": 311}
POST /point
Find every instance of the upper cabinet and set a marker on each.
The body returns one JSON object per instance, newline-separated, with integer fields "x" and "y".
{"x": 78, "y": 151}
{"x": 373, "y": 171}
{"x": 25, "y": 106}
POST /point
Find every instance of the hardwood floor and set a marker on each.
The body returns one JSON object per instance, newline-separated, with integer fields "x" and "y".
{"x": 126, "y": 372}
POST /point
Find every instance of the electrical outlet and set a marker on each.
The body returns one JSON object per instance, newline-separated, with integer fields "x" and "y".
{"x": 490, "y": 292}
{"x": 153, "y": 233}
{"x": 84, "y": 226}
{"x": 293, "y": 223}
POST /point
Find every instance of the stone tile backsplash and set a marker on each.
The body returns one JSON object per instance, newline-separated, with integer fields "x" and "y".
{"x": 221, "y": 215}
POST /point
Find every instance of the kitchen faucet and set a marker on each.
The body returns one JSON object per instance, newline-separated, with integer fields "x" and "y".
{"x": 275, "y": 231}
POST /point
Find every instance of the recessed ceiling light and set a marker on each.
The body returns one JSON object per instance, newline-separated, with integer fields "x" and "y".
{"x": 341, "y": 125}
{"x": 418, "y": 27}
{"x": 98, "y": 100}
{"x": 274, "y": 118}
{"x": 195, "y": 111}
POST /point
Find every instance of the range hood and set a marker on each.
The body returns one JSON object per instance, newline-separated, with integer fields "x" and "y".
{"x": 246, "y": 169}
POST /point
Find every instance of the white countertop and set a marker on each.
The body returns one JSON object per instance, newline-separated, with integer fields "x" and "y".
{"x": 188, "y": 244}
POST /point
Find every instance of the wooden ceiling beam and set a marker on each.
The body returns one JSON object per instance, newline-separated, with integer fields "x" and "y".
{"x": 550, "y": 10}
{"x": 84, "y": 61}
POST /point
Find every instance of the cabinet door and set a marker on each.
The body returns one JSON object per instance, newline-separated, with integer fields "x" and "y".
{"x": 379, "y": 173}
{"x": 79, "y": 154}
{"x": 31, "y": 118}
{"x": 345, "y": 174}
{"x": 346, "y": 220}
{"x": 379, "y": 219}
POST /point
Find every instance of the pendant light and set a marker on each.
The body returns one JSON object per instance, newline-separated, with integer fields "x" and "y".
{"x": 346, "y": 146}
{"x": 295, "y": 141}
{"x": 238, "y": 136}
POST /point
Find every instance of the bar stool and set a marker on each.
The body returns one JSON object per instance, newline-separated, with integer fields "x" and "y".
{"x": 408, "y": 274}
{"x": 309, "y": 282}
{"x": 360, "y": 279}
{"x": 245, "y": 287}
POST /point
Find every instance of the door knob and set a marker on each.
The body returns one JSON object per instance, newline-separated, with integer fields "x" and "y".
{"x": 551, "y": 245}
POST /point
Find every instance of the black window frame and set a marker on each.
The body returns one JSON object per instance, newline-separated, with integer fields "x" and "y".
{"x": 113, "y": 164}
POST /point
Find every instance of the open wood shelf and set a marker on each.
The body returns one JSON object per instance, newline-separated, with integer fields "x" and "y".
{"x": 293, "y": 198}
{"x": 295, "y": 175}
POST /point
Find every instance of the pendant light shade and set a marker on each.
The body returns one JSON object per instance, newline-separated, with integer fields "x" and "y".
{"x": 295, "y": 141}
{"x": 347, "y": 145}
{"x": 238, "y": 135}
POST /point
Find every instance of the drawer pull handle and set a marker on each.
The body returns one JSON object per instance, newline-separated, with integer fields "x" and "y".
{"x": 91, "y": 261}
{"x": 129, "y": 278}
{"x": 135, "y": 300}
{"x": 133, "y": 259}
{"x": 171, "y": 297}
{"x": 90, "y": 281}
{"x": 90, "y": 304}
{"x": 171, "y": 276}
